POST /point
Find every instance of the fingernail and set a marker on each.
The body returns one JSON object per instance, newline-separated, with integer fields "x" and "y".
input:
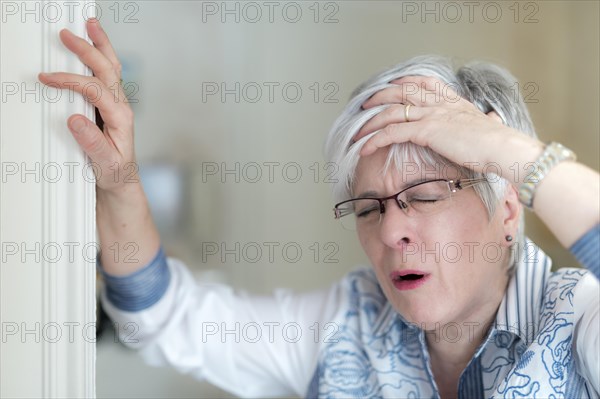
{"x": 46, "y": 74}
{"x": 78, "y": 125}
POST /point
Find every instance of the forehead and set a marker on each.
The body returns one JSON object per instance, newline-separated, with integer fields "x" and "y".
{"x": 387, "y": 170}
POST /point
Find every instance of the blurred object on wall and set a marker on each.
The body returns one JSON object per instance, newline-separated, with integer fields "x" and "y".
{"x": 164, "y": 187}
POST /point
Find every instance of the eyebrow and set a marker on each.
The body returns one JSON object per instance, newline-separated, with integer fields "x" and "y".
{"x": 375, "y": 194}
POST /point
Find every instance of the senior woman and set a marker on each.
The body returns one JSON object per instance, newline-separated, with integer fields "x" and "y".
{"x": 458, "y": 302}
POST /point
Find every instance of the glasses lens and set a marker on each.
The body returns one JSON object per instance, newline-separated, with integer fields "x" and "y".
{"x": 359, "y": 212}
{"x": 427, "y": 198}
{"x": 424, "y": 199}
{"x": 348, "y": 222}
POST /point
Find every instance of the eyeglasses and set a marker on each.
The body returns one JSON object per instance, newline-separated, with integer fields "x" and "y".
{"x": 421, "y": 199}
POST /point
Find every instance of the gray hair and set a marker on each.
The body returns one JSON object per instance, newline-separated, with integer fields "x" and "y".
{"x": 487, "y": 86}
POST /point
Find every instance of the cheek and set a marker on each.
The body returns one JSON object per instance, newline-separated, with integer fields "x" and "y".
{"x": 371, "y": 245}
{"x": 366, "y": 242}
{"x": 468, "y": 223}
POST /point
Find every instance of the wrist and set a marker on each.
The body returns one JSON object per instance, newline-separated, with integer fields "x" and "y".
{"x": 124, "y": 219}
{"x": 522, "y": 151}
{"x": 552, "y": 155}
{"x": 124, "y": 208}
{"x": 127, "y": 193}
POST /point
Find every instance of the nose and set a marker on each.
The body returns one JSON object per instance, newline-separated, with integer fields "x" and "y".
{"x": 395, "y": 227}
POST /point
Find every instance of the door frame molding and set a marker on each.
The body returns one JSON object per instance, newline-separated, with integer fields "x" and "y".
{"x": 58, "y": 302}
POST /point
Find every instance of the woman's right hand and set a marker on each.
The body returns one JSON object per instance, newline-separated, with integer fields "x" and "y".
{"x": 111, "y": 150}
{"x": 128, "y": 237}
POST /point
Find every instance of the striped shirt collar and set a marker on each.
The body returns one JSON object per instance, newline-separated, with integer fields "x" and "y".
{"x": 519, "y": 311}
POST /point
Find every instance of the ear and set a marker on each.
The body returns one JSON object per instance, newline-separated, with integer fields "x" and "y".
{"x": 511, "y": 213}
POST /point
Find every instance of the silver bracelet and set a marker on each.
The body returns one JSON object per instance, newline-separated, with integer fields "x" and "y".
{"x": 553, "y": 154}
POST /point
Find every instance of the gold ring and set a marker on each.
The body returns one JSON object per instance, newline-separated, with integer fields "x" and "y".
{"x": 406, "y": 108}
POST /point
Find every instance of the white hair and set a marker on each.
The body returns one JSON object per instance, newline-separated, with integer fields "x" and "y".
{"x": 487, "y": 86}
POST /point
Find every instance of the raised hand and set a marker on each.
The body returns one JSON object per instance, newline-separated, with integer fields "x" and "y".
{"x": 128, "y": 236}
{"x": 112, "y": 149}
{"x": 447, "y": 123}
{"x": 453, "y": 127}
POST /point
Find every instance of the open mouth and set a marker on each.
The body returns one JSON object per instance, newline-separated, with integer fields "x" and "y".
{"x": 409, "y": 279}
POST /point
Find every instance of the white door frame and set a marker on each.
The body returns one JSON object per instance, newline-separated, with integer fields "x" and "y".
{"x": 47, "y": 210}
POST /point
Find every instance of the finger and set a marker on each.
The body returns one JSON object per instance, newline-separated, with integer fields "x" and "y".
{"x": 91, "y": 140}
{"x": 102, "y": 43}
{"x": 90, "y": 56}
{"x": 111, "y": 105}
{"x": 428, "y": 83}
{"x": 408, "y": 93}
{"x": 394, "y": 133}
{"x": 409, "y": 84}
{"x": 418, "y": 90}
{"x": 447, "y": 91}
{"x": 392, "y": 115}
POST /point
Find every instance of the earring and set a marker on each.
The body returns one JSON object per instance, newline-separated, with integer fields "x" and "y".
{"x": 508, "y": 238}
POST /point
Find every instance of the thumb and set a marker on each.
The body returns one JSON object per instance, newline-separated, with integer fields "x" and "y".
{"x": 90, "y": 138}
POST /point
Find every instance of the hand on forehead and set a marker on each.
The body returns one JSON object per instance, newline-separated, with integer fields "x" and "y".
{"x": 413, "y": 92}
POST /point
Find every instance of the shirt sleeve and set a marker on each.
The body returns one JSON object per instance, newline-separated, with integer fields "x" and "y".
{"x": 248, "y": 345}
{"x": 587, "y": 250}
{"x": 140, "y": 289}
{"x": 586, "y": 301}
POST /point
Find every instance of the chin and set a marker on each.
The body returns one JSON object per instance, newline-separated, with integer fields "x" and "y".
{"x": 426, "y": 316}
{"x": 422, "y": 310}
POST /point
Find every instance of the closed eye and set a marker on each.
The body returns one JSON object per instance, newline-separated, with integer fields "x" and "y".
{"x": 365, "y": 212}
{"x": 425, "y": 200}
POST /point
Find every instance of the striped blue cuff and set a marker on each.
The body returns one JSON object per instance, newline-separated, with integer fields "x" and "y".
{"x": 140, "y": 289}
{"x": 587, "y": 250}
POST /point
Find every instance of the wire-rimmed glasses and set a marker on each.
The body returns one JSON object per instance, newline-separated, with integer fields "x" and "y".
{"x": 420, "y": 199}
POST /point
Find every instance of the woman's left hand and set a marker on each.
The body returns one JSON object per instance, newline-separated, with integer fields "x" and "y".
{"x": 451, "y": 126}
{"x": 448, "y": 124}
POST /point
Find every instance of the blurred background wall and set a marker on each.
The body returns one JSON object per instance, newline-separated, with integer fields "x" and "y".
{"x": 233, "y": 101}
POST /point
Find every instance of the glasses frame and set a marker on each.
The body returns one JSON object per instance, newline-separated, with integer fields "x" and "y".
{"x": 453, "y": 186}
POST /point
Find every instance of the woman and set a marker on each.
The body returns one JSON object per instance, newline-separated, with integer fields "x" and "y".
{"x": 458, "y": 302}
